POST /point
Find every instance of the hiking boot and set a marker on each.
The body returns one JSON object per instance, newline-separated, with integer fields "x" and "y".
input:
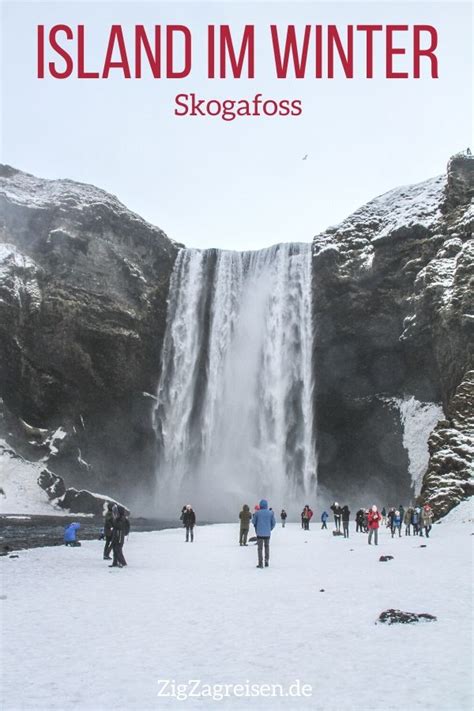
{"x": 259, "y": 565}
{"x": 266, "y": 564}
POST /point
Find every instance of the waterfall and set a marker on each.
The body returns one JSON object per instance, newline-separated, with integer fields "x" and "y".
{"x": 234, "y": 417}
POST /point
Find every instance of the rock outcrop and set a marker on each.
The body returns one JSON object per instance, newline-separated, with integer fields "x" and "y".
{"x": 83, "y": 290}
{"x": 393, "y": 305}
{"x": 399, "y": 617}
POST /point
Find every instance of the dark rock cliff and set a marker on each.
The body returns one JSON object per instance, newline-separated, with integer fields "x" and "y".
{"x": 83, "y": 290}
{"x": 393, "y": 307}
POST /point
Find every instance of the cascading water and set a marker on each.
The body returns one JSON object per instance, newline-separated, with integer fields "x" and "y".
{"x": 234, "y": 417}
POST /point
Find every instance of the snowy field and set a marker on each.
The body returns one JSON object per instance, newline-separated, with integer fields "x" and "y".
{"x": 78, "y": 635}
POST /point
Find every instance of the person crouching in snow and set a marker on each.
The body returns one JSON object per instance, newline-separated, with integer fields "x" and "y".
{"x": 373, "y": 522}
{"x": 397, "y": 523}
{"x": 70, "y": 535}
{"x": 324, "y": 518}
{"x": 427, "y": 519}
{"x": 121, "y": 528}
{"x": 189, "y": 521}
{"x": 264, "y": 522}
{"x": 245, "y": 518}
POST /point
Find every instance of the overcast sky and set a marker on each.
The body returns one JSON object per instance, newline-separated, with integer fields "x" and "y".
{"x": 240, "y": 184}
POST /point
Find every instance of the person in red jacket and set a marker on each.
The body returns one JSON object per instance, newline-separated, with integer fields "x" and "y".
{"x": 374, "y": 519}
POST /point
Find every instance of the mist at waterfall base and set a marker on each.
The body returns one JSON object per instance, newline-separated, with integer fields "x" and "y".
{"x": 234, "y": 418}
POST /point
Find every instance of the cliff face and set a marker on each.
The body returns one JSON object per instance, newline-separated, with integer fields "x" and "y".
{"x": 83, "y": 289}
{"x": 393, "y": 305}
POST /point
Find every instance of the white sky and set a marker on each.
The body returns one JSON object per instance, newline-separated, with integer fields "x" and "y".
{"x": 240, "y": 184}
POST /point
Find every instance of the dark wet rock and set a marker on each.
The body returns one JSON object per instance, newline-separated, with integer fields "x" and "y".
{"x": 394, "y": 304}
{"x": 52, "y": 484}
{"x": 83, "y": 290}
{"x": 393, "y": 617}
{"x": 450, "y": 476}
{"x": 84, "y": 502}
{"x": 385, "y": 558}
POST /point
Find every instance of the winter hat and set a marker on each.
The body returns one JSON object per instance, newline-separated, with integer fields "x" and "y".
{"x": 188, "y": 506}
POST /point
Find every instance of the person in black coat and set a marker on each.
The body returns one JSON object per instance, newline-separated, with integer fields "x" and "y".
{"x": 188, "y": 518}
{"x": 108, "y": 530}
{"x": 345, "y": 520}
{"x": 360, "y": 521}
{"x": 121, "y": 528}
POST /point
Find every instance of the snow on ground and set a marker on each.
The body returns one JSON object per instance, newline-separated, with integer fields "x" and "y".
{"x": 18, "y": 479}
{"x": 78, "y": 635}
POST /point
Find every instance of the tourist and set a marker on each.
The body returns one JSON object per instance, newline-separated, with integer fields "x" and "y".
{"x": 264, "y": 522}
{"x": 360, "y": 521}
{"x": 345, "y": 520}
{"x": 415, "y": 520}
{"x": 407, "y": 521}
{"x": 384, "y": 516}
{"x": 337, "y": 511}
{"x": 373, "y": 522}
{"x": 189, "y": 521}
{"x": 283, "y": 517}
{"x": 396, "y": 523}
{"x": 70, "y": 532}
{"x": 306, "y": 516}
{"x": 108, "y": 530}
{"x": 121, "y": 528}
{"x": 427, "y": 519}
{"x": 324, "y": 518}
{"x": 390, "y": 516}
{"x": 245, "y": 518}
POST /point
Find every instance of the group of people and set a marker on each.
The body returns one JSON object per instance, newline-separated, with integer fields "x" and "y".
{"x": 418, "y": 519}
{"x": 369, "y": 520}
{"x": 116, "y": 528}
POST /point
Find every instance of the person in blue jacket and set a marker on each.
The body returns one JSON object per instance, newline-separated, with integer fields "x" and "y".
{"x": 70, "y": 534}
{"x": 264, "y": 522}
{"x": 324, "y": 518}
